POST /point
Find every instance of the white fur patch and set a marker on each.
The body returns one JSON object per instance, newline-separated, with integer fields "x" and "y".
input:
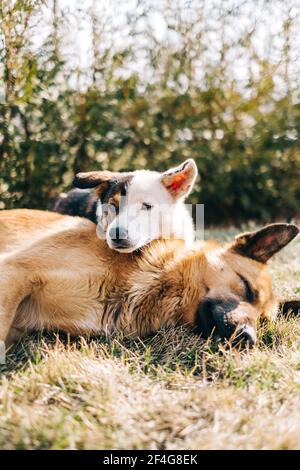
{"x": 98, "y": 210}
{"x": 149, "y": 212}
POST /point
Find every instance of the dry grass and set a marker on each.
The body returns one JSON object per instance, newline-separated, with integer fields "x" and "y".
{"x": 171, "y": 391}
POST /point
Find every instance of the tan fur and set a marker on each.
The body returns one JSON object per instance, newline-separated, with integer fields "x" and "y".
{"x": 56, "y": 274}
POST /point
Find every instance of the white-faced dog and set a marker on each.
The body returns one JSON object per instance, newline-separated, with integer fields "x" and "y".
{"x": 133, "y": 208}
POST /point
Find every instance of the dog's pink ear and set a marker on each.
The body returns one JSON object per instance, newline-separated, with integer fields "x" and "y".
{"x": 264, "y": 243}
{"x": 179, "y": 181}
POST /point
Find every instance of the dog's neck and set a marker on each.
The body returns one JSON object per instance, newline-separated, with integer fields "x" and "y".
{"x": 162, "y": 267}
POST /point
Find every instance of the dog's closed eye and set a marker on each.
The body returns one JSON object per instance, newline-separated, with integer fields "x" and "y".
{"x": 146, "y": 206}
{"x": 251, "y": 293}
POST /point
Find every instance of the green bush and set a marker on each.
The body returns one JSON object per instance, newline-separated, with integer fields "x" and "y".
{"x": 185, "y": 100}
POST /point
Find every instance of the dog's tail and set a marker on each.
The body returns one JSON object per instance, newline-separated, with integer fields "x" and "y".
{"x": 289, "y": 308}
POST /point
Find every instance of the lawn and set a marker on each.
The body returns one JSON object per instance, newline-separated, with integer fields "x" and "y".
{"x": 171, "y": 391}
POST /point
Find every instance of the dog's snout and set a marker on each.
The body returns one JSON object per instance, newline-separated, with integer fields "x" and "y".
{"x": 119, "y": 238}
{"x": 222, "y": 318}
{"x": 212, "y": 317}
{"x": 219, "y": 310}
{"x": 118, "y": 233}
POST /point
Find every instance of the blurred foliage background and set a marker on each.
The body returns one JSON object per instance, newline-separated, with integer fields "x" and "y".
{"x": 131, "y": 84}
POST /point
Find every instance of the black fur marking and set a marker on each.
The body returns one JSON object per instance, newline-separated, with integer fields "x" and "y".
{"x": 83, "y": 202}
{"x": 112, "y": 189}
{"x": 77, "y": 202}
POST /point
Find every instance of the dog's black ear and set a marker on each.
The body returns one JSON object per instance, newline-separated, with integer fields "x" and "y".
{"x": 91, "y": 179}
{"x": 262, "y": 244}
{"x": 289, "y": 307}
{"x": 179, "y": 181}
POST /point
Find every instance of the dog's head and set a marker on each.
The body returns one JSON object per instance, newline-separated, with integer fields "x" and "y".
{"x": 237, "y": 288}
{"x": 137, "y": 207}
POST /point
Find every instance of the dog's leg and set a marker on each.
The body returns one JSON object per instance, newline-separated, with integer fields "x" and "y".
{"x": 13, "y": 336}
{"x": 14, "y": 287}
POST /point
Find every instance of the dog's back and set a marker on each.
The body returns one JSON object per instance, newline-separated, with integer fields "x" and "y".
{"x": 77, "y": 202}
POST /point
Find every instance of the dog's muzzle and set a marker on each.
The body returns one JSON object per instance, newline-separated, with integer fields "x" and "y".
{"x": 213, "y": 319}
{"x": 119, "y": 237}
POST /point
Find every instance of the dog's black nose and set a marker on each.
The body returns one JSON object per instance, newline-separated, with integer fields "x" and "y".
{"x": 118, "y": 235}
{"x": 245, "y": 335}
{"x": 212, "y": 317}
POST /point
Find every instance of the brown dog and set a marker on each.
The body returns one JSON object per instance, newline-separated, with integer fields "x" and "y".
{"x": 56, "y": 274}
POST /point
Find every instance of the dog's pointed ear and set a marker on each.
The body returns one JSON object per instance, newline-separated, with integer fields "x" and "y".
{"x": 104, "y": 183}
{"x": 262, "y": 244}
{"x": 179, "y": 181}
{"x": 91, "y": 179}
